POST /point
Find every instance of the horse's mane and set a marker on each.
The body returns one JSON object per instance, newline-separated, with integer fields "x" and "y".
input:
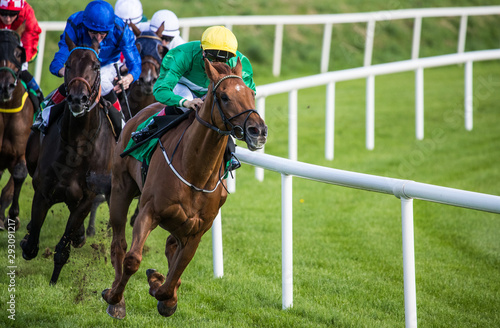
{"x": 222, "y": 68}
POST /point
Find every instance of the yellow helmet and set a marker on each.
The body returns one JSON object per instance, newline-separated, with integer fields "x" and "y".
{"x": 219, "y": 38}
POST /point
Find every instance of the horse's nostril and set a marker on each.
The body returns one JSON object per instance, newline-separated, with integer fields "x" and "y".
{"x": 253, "y": 131}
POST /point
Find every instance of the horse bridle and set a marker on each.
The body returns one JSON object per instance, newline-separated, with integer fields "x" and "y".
{"x": 236, "y": 131}
{"x": 94, "y": 90}
{"x": 227, "y": 121}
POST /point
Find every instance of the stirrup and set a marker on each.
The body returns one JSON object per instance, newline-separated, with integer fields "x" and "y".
{"x": 234, "y": 163}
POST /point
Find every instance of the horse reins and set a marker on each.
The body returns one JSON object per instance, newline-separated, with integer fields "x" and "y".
{"x": 227, "y": 121}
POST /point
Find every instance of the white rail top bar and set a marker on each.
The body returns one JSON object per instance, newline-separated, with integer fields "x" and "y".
{"x": 380, "y": 69}
{"x": 399, "y": 188}
{"x": 339, "y": 18}
{"x": 319, "y": 19}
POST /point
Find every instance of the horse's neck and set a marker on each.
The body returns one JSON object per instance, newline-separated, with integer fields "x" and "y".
{"x": 204, "y": 148}
{"x": 77, "y": 131}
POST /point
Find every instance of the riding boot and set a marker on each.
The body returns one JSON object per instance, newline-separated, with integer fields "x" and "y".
{"x": 51, "y": 109}
{"x": 232, "y": 162}
{"x": 34, "y": 91}
{"x": 115, "y": 114}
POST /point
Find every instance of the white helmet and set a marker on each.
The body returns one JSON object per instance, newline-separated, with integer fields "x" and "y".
{"x": 129, "y": 10}
{"x": 170, "y": 20}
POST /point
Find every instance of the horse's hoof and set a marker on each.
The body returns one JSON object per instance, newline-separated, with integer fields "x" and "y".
{"x": 17, "y": 223}
{"x": 117, "y": 311}
{"x": 79, "y": 241}
{"x": 165, "y": 310}
{"x": 28, "y": 254}
{"x": 149, "y": 272}
{"x": 90, "y": 232}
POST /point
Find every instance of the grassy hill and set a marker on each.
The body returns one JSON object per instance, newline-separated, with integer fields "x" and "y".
{"x": 301, "y": 47}
{"x": 347, "y": 243}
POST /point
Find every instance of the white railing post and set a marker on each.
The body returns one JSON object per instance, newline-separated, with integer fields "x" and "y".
{"x": 217, "y": 246}
{"x": 468, "y": 81}
{"x": 462, "y": 34}
{"x": 286, "y": 241}
{"x": 261, "y": 109}
{"x": 370, "y": 112}
{"x": 185, "y": 33}
{"x": 278, "y": 46}
{"x": 419, "y": 103}
{"x": 39, "y": 56}
{"x": 410, "y": 292}
{"x": 370, "y": 34}
{"x": 330, "y": 121}
{"x": 417, "y": 29}
{"x": 231, "y": 182}
{"x": 325, "y": 51}
{"x": 292, "y": 125}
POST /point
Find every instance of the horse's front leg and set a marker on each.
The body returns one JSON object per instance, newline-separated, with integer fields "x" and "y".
{"x": 131, "y": 262}
{"x": 71, "y": 235}
{"x": 5, "y": 200}
{"x": 178, "y": 256}
{"x": 39, "y": 208}
{"x": 18, "y": 174}
{"x": 98, "y": 200}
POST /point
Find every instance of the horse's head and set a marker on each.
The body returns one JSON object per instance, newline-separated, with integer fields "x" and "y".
{"x": 235, "y": 102}
{"x": 152, "y": 52}
{"x": 82, "y": 77}
{"x": 12, "y": 56}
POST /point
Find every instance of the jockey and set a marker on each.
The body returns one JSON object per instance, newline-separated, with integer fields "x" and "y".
{"x": 13, "y": 14}
{"x": 183, "y": 81}
{"x": 171, "y": 37}
{"x": 99, "y": 22}
{"x": 130, "y": 11}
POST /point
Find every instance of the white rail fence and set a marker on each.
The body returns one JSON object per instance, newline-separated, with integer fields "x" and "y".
{"x": 369, "y": 72}
{"x": 405, "y": 190}
{"x": 328, "y": 20}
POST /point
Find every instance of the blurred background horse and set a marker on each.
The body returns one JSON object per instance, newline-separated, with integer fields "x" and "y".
{"x": 16, "y": 117}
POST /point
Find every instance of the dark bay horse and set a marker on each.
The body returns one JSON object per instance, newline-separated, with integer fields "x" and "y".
{"x": 140, "y": 92}
{"x": 74, "y": 161}
{"x": 16, "y": 118}
{"x": 152, "y": 51}
{"x": 184, "y": 188}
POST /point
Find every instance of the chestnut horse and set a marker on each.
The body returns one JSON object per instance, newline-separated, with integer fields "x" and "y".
{"x": 16, "y": 118}
{"x": 185, "y": 185}
{"x": 74, "y": 161}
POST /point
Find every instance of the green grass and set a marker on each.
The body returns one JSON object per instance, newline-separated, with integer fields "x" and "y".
{"x": 347, "y": 243}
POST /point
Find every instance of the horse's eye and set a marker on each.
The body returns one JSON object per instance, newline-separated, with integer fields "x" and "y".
{"x": 224, "y": 97}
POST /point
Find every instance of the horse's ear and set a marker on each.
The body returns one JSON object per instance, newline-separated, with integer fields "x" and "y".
{"x": 135, "y": 29}
{"x": 237, "y": 70}
{"x": 69, "y": 42}
{"x": 20, "y": 29}
{"x": 160, "y": 29}
{"x": 212, "y": 73}
{"x": 162, "y": 50}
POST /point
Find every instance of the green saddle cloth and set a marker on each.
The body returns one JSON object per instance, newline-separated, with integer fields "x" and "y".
{"x": 144, "y": 152}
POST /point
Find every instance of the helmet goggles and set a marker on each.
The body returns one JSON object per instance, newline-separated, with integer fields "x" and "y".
{"x": 215, "y": 55}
